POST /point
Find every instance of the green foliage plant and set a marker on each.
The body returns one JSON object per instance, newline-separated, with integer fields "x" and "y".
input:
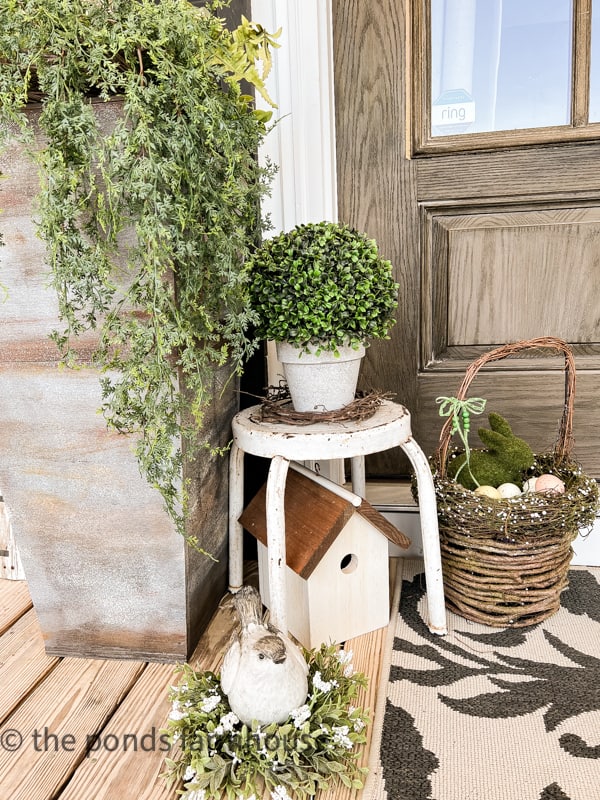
{"x": 146, "y": 225}
{"x": 322, "y": 285}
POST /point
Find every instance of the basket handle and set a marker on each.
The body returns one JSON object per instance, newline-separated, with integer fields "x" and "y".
{"x": 564, "y": 443}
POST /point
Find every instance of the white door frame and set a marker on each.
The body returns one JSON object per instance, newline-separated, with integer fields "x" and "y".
{"x": 302, "y": 143}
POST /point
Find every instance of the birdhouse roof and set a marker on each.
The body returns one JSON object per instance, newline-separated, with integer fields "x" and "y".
{"x": 314, "y": 517}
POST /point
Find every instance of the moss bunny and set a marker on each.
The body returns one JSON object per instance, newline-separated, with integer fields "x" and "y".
{"x": 505, "y": 458}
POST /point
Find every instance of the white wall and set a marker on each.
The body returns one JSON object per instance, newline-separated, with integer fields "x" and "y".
{"x": 302, "y": 143}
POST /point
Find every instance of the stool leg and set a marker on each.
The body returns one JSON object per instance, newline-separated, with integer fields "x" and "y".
{"x": 359, "y": 481}
{"x": 276, "y": 540}
{"x": 236, "y": 506}
{"x": 431, "y": 537}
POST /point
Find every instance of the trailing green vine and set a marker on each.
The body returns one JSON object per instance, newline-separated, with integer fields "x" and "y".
{"x": 147, "y": 224}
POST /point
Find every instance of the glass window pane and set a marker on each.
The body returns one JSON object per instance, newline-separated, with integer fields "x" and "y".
{"x": 500, "y": 64}
{"x": 595, "y": 65}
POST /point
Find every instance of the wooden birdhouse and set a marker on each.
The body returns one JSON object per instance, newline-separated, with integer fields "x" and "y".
{"x": 337, "y": 576}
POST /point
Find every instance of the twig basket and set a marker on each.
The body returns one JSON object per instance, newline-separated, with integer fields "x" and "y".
{"x": 505, "y": 562}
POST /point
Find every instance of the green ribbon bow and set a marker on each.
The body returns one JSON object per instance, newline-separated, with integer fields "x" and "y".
{"x": 460, "y": 411}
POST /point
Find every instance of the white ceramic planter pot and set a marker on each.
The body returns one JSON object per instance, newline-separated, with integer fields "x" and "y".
{"x": 321, "y": 382}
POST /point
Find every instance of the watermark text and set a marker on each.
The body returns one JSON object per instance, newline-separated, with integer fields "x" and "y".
{"x": 44, "y": 740}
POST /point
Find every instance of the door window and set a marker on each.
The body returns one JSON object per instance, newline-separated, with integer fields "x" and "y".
{"x": 500, "y": 64}
{"x": 595, "y": 64}
{"x": 506, "y": 72}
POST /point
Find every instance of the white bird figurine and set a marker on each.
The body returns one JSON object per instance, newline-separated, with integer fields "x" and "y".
{"x": 264, "y": 674}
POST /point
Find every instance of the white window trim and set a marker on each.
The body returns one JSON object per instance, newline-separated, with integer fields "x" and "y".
{"x": 302, "y": 144}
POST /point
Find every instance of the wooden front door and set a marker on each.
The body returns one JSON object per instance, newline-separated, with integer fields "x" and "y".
{"x": 468, "y": 141}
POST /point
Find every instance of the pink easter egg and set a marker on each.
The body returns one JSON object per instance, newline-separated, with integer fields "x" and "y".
{"x": 549, "y": 483}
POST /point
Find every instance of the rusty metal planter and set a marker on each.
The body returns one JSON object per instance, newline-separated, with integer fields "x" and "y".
{"x": 107, "y": 572}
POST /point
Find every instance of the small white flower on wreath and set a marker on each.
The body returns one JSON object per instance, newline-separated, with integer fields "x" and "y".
{"x": 189, "y": 774}
{"x": 340, "y": 736}
{"x": 345, "y": 656}
{"x": 321, "y": 685}
{"x": 227, "y": 724}
{"x": 176, "y": 711}
{"x": 197, "y": 794}
{"x": 357, "y": 724}
{"x": 300, "y": 715}
{"x": 229, "y": 721}
{"x": 210, "y": 703}
{"x": 345, "y": 659}
{"x": 280, "y": 793}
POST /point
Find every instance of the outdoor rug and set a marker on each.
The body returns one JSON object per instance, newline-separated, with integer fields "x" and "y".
{"x": 490, "y": 713}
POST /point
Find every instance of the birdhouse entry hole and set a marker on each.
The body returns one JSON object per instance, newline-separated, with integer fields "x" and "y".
{"x": 349, "y": 563}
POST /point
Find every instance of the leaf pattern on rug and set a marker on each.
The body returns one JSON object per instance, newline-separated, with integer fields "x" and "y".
{"x": 575, "y": 746}
{"x": 582, "y": 595}
{"x": 561, "y": 690}
{"x": 450, "y": 670}
{"x": 568, "y": 691}
{"x": 553, "y": 792}
{"x": 406, "y": 778}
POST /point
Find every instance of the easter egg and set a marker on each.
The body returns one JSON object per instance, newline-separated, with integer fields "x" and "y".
{"x": 488, "y": 491}
{"x": 529, "y": 485}
{"x": 550, "y": 484}
{"x": 509, "y": 490}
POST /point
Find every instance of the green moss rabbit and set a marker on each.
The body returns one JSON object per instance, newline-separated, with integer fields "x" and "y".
{"x": 504, "y": 460}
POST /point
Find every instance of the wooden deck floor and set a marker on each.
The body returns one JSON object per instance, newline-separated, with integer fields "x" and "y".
{"x": 52, "y": 708}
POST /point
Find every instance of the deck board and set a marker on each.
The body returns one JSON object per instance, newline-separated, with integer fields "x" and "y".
{"x": 137, "y": 759}
{"x": 81, "y": 697}
{"x": 75, "y": 701}
{"x": 23, "y": 662}
{"x": 127, "y": 772}
{"x": 14, "y": 602}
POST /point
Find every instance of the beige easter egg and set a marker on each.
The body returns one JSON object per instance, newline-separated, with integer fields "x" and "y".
{"x": 488, "y": 491}
{"x": 551, "y": 484}
{"x": 509, "y": 490}
{"x": 529, "y": 485}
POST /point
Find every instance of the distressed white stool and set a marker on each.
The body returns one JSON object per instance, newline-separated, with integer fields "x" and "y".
{"x": 322, "y": 441}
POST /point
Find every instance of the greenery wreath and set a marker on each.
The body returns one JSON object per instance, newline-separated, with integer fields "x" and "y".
{"x": 221, "y": 757}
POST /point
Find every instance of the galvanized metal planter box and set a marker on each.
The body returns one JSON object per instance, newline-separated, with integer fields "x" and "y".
{"x": 108, "y": 573}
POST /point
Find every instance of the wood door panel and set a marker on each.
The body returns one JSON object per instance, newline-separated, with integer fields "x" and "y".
{"x": 491, "y": 277}
{"x": 509, "y": 173}
{"x": 517, "y": 275}
{"x": 513, "y": 277}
